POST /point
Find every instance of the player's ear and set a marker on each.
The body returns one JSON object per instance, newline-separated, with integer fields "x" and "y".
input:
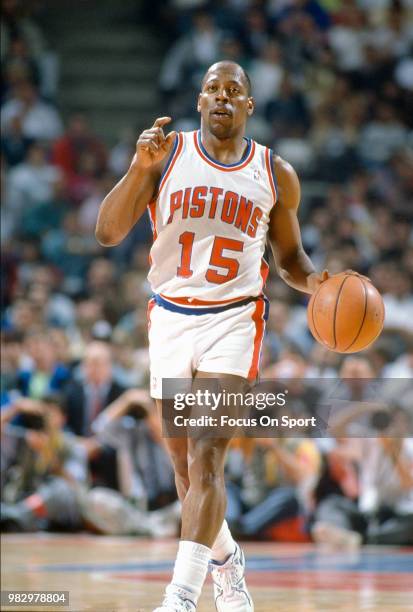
{"x": 198, "y": 107}
{"x": 250, "y": 106}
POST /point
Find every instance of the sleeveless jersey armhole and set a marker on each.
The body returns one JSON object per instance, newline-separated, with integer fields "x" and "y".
{"x": 173, "y": 156}
{"x": 269, "y": 163}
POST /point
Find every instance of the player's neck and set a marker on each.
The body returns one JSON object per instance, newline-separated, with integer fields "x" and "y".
{"x": 226, "y": 151}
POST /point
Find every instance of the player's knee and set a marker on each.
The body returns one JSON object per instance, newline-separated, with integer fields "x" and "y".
{"x": 209, "y": 479}
{"x": 207, "y": 465}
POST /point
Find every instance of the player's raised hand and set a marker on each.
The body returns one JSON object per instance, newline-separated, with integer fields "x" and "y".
{"x": 153, "y": 146}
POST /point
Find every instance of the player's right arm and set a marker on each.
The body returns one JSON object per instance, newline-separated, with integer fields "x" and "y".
{"x": 127, "y": 201}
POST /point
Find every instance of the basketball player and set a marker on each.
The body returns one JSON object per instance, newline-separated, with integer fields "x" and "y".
{"x": 214, "y": 198}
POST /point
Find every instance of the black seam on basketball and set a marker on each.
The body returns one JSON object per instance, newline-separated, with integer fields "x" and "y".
{"x": 336, "y": 308}
{"x": 379, "y": 331}
{"x": 312, "y": 317}
{"x": 364, "y": 316}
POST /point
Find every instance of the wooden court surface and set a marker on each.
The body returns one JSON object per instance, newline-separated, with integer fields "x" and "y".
{"x": 106, "y": 574}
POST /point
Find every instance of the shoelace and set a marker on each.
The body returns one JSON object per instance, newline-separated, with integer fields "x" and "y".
{"x": 172, "y": 599}
{"x": 227, "y": 578}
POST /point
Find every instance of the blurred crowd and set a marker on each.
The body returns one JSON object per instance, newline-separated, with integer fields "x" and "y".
{"x": 82, "y": 447}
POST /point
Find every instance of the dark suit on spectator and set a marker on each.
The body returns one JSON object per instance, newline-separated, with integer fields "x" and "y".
{"x": 77, "y": 404}
{"x": 83, "y": 404}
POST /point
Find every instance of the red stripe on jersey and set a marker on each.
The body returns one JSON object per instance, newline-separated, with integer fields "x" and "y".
{"x": 258, "y": 318}
{"x": 217, "y": 165}
{"x": 191, "y": 302}
{"x": 173, "y": 160}
{"x": 268, "y": 162}
{"x": 264, "y": 272}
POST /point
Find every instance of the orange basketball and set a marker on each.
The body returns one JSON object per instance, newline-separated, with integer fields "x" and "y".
{"x": 346, "y": 313}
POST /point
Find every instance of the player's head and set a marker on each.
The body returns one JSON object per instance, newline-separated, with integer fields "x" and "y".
{"x": 225, "y": 101}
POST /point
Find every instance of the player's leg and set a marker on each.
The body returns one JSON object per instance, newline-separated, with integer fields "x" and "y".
{"x": 204, "y": 508}
{"x": 233, "y": 339}
{"x": 178, "y": 452}
{"x": 203, "y": 511}
{"x": 233, "y": 344}
{"x": 205, "y": 534}
{"x": 207, "y": 463}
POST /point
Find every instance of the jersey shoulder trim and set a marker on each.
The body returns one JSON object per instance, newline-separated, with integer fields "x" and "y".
{"x": 244, "y": 161}
{"x": 175, "y": 153}
{"x": 269, "y": 164}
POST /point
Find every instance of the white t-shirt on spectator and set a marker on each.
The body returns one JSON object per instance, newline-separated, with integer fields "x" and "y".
{"x": 29, "y": 184}
{"x": 266, "y": 80}
{"x": 41, "y": 121}
{"x": 348, "y": 47}
{"x": 399, "y": 312}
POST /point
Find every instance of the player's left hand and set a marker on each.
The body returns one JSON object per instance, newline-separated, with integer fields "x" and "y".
{"x": 315, "y": 279}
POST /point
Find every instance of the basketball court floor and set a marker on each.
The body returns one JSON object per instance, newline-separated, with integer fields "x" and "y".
{"x": 106, "y": 574}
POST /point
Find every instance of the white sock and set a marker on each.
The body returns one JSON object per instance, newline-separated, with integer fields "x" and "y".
{"x": 224, "y": 545}
{"x": 191, "y": 567}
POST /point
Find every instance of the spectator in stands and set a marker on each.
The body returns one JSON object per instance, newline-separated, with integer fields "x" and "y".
{"x": 82, "y": 183}
{"x": 46, "y": 215}
{"x": 399, "y": 302}
{"x": 70, "y": 249}
{"x": 90, "y": 206}
{"x": 31, "y": 182}
{"x": 77, "y": 140}
{"x": 285, "y": 328}
{"x": 45, "y": 480}
{"x": 22, "y": 317}
{"x": 383, "y": 513}
{"x": 255, "y": 34}
{"x": 14, "y": 144}
{"x": 122, "y": 152}
{"x": 190, "y": 55}
{"x": 130, "y": 425}
{"x": 15, "y": 26}
{"x": 40, "y": 120}
{"x": 86, "y": 397}
{"x": 266, "y": 74}
{"x": 46, "y": 468}
{"x": 44, "y": 292}
{"x": 382, "y": 136}
{"x": 347, "y": 39}
{"x": 11, "y": 362}
{"x": 289, "y": 106}
{"x": 18, "y": 65}
{"x": 270, "y": 482}
{"x": 402, "y": 367}
{"x": 95, "y": 389}
{"x": 45, "y": 374}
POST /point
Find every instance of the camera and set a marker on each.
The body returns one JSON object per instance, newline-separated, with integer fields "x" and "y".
{"x": 381, "y": 420}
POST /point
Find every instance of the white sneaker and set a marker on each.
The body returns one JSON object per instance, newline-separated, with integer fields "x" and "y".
{"x": 230, "y": 590}
{"x": 176, "y": 600}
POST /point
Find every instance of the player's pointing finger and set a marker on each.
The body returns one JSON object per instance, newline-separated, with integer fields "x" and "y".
{"x": 161, "y": 121}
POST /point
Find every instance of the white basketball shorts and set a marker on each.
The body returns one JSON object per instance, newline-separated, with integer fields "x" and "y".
{"x": 227, "y": 342}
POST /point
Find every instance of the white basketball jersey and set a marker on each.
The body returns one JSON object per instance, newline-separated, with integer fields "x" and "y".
{"x": 210, "y": 222}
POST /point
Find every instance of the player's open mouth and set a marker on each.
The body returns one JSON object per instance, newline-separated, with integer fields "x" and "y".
{"x": 220, "y": 113}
